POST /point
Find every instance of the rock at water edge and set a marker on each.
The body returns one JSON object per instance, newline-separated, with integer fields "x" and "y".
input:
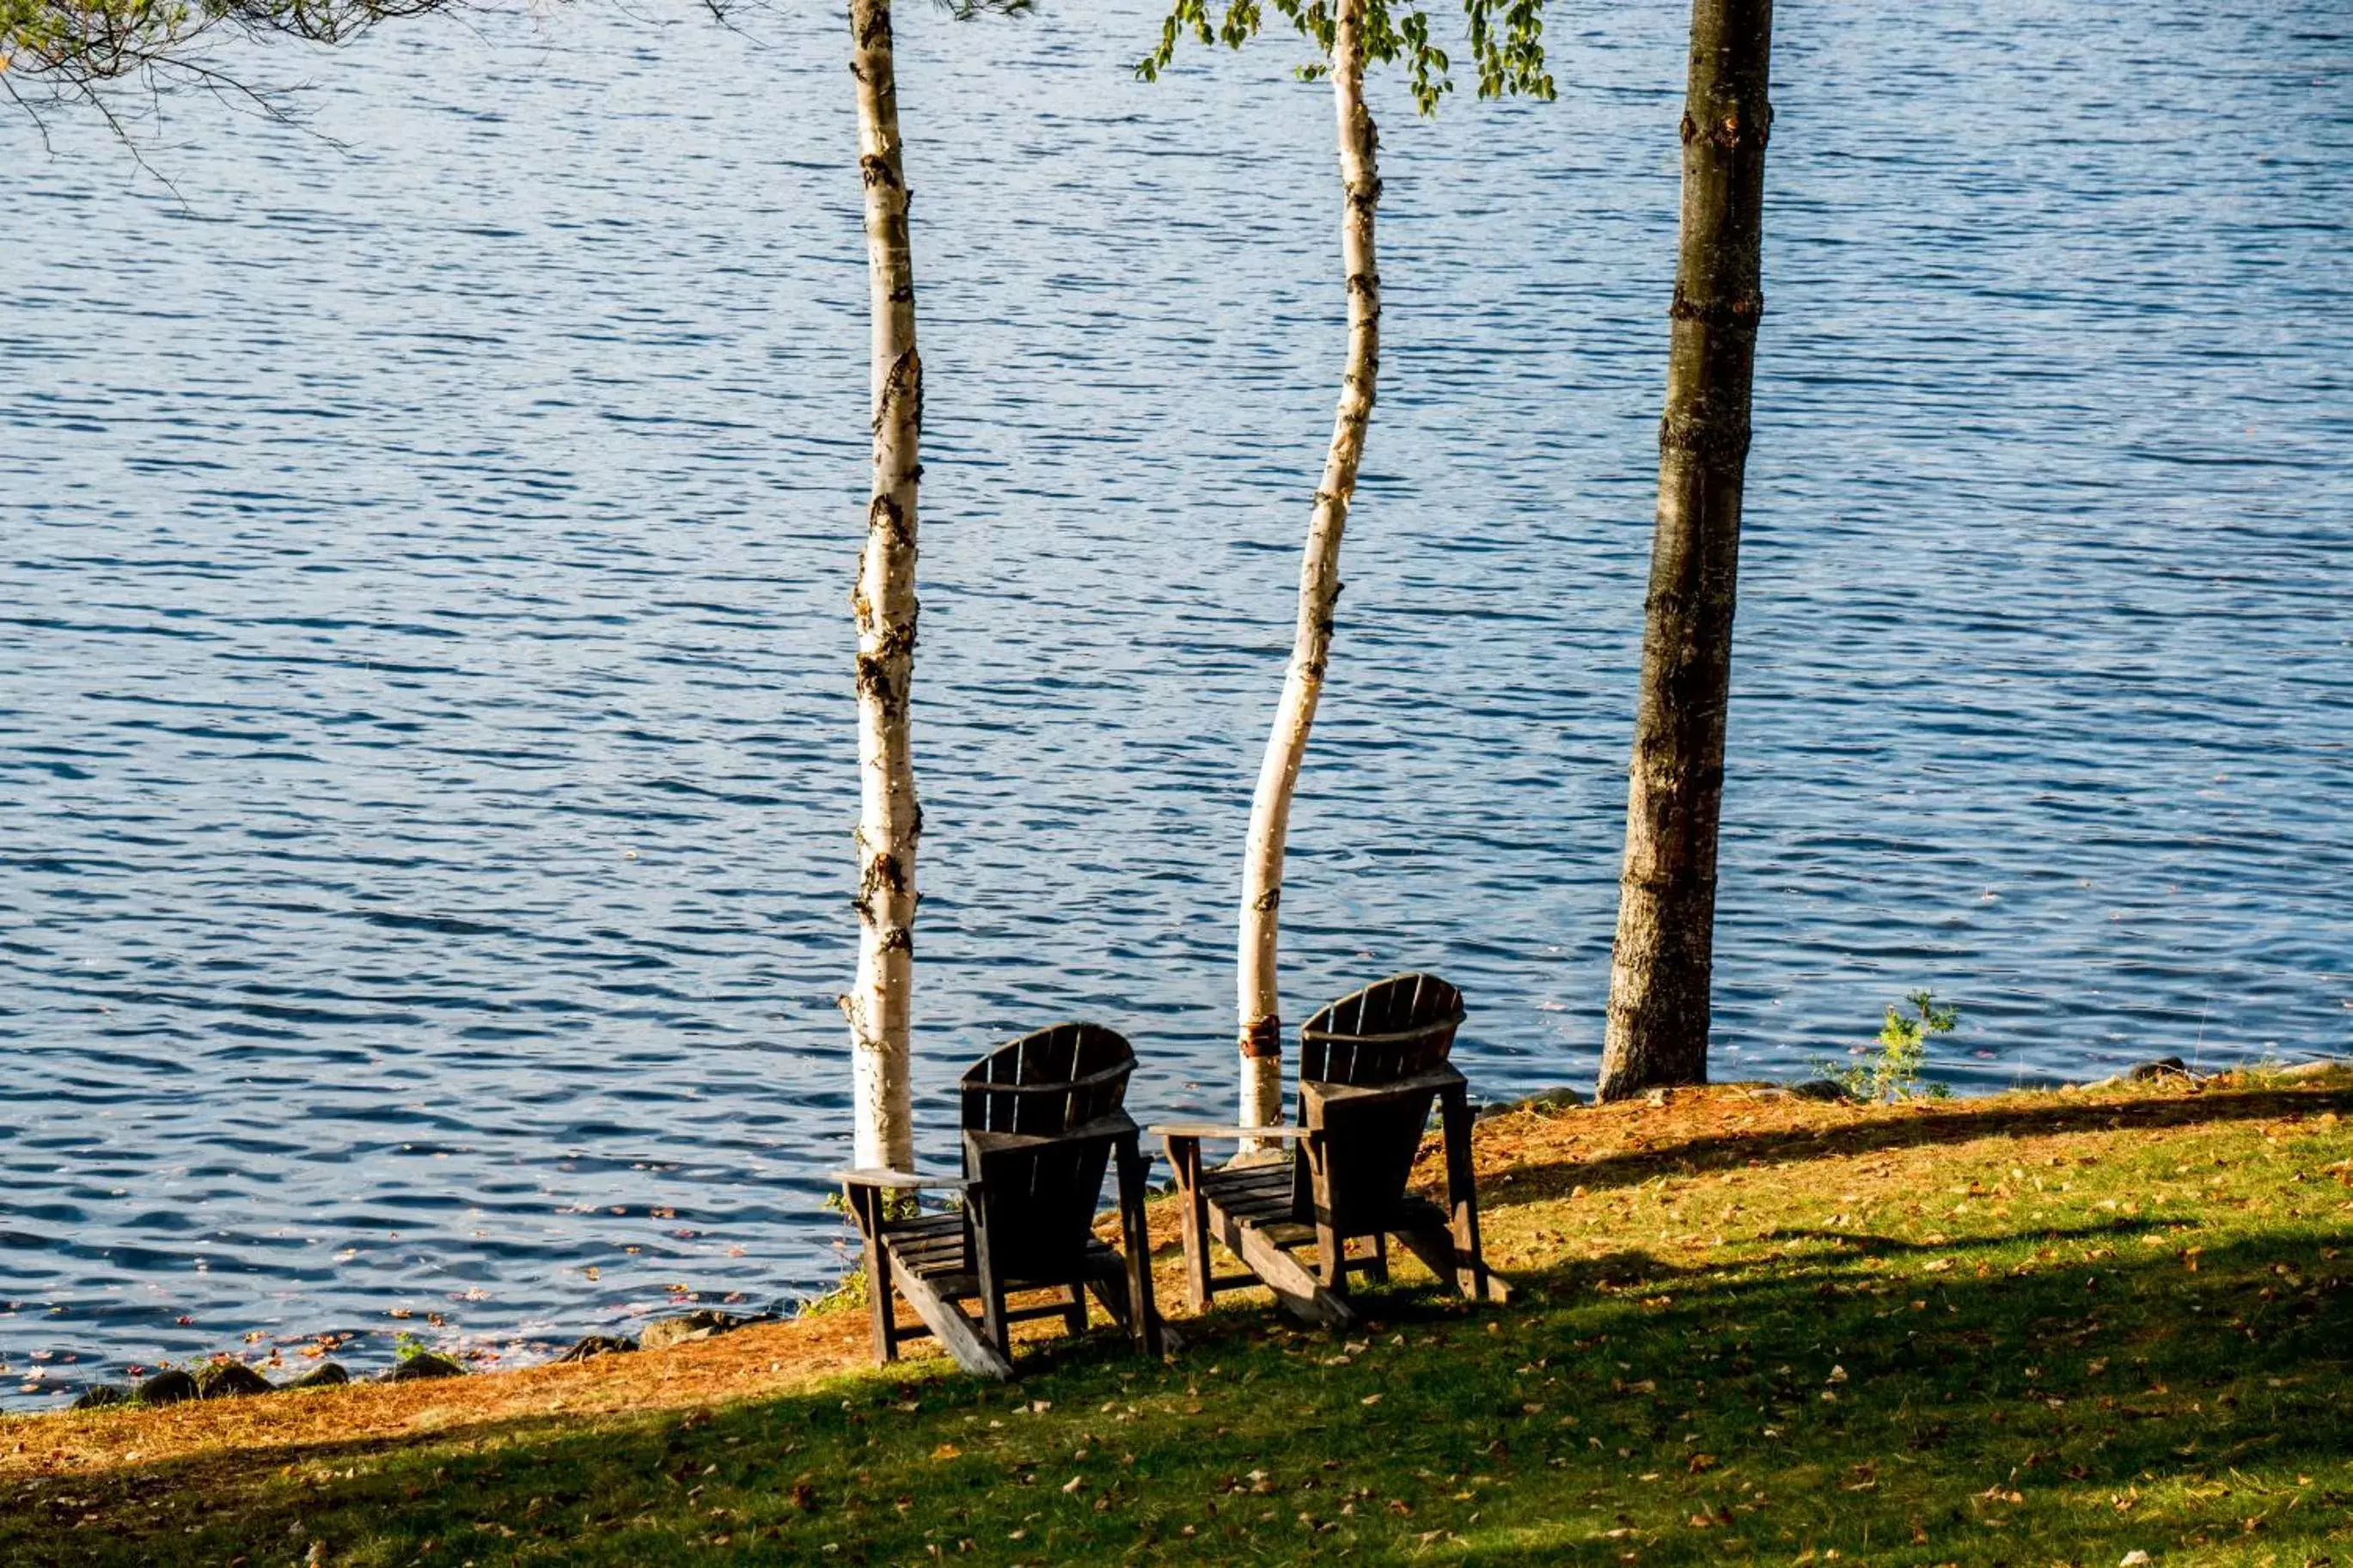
{"x": 420, "y": 1366}
{"x": 700, "y": 1324}
{"x": 166, "y": 1388}
{"x": 594, "y": 1345}
{"x": 228, "y": 1379}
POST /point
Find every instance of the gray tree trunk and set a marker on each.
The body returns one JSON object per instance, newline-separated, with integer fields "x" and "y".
{"x": 884, "y": 603}
{"x": 1257, "y": 982}
{"x": 1659, "y": 974}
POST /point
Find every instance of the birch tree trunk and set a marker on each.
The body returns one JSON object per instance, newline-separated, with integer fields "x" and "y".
{"x": 1260, "y": 1005}
{"x": 1659, "y": 976}
{"x": 883, "y": 602}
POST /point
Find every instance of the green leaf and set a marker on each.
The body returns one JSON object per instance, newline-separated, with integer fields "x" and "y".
{"x": 1505, "y": 36}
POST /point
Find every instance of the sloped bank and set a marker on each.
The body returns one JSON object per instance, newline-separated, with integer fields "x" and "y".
{"x": 2034, "y": 1327}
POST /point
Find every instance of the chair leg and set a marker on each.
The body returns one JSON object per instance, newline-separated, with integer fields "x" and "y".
{"x": 955, "y": 1332}
{"x": 1184, "y": 1155}
{"x": 1331, "y": 1252}
{"x": 1462, "y": 1193}
{"x": 883, "y": 1317}
{"x": 1435, "y": 1247}
{"x": 1074, "y": 1313}
{"x": 993, "y": 1326}
{"x": 1299, "y": 1291}
{"x": 1112, "y": 1287}
{"x": 1380, "y": 1268}
{"x": 1135, "y": 1237}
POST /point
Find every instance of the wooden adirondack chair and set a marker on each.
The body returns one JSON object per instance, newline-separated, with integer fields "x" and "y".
{"x": 1369, "y": 1066}
{"x": 1042, "y": 1121}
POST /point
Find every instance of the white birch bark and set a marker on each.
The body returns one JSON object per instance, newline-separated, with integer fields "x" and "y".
{"x": 883, "y": 602}
{"x": 1260, "y": 1036}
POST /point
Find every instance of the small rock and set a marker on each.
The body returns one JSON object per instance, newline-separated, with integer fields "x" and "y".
{"x": 1561, "y": 1099}
{"x": 2134, "y": 1560}
{"x": 99, "y": 1395}
{"x": 227, "y": 1379}
{"x": 326, "y": 1375}
{"x": 594, "y": 1345}
{"x": 166, "y": 1388}
{"x": 1820, "y": 1089}
{"x": 2163, "y": 1067}
{"x": 2320, "y": 1068}
{"x": 700, "y": 1324}
{"x": 420, "y": 1366}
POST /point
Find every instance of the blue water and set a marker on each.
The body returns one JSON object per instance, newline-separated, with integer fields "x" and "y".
{"x": 426, "y": 732}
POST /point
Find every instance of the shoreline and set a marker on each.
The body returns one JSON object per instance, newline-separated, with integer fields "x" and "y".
{"x": 228, "y": 1374}
{"x": 1537, "y": 1138}
{"x": 2076, "y": 1327}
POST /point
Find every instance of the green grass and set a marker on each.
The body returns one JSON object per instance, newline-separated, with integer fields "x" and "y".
{"x": 1988, "y": 1335}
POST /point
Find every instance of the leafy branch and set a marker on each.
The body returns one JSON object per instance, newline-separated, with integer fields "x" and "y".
{"x": 70, "y": 46}
{"x": 1505, "y": 37}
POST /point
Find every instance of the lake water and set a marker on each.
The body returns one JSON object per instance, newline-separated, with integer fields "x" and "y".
{"x": 426, "y": 733}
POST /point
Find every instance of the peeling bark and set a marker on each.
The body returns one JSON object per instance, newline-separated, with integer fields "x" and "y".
{"x": 1660, "y": 971}
{"x": 884, "y": 603}
{"x": 1260, "y": 1036}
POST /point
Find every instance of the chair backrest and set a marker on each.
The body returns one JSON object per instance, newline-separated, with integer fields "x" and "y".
{"x": 1391, "y": 1032}
{"x": 1048, "y": 1082}
{"x": 1391, "y": 1029}
{"x": 1046, "y": 1085}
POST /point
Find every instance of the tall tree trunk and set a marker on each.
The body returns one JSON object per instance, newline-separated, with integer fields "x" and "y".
{"x": 1666, "y": 913}
{"x": 888, "y": 820}
{"x": 1260, "y": 1005}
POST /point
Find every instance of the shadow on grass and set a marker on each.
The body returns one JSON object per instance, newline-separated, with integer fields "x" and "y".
{"x": 2069, "y": 1391}
{"x": 2017, "y": 1415}
{"x": 1934, "y": 1123}
{"x": 1871, "y": 1243}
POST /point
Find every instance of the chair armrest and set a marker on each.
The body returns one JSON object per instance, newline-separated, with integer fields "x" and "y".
{"x": 1333, "y": 1094}
{"x": 905, "y": 1181}
{"x": 1118, "y": 1124}
{"x": 1219, "y": 1130}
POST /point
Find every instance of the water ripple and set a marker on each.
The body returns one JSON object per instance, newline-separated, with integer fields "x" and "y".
{"x": 426, "y": 754}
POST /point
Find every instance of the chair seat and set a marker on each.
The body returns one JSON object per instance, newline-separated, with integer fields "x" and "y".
{"x": 1253, "y": 1195}
{"x": 1259, "y": 1198}
{"x": 931, "y": 1245}
{"x": 936, "y": 1248}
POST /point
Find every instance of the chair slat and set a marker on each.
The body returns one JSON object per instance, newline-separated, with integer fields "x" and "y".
{"x": 1391, "y": 1029}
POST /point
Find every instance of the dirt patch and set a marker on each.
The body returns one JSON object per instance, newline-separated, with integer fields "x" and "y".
{"x": 765, "y": 1358}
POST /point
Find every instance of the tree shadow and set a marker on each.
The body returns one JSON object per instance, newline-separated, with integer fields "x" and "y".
{"x": 2095, "y": 1379}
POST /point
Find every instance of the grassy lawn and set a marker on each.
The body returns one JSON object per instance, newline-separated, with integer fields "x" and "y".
{"x": 2033, "y": 1329}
